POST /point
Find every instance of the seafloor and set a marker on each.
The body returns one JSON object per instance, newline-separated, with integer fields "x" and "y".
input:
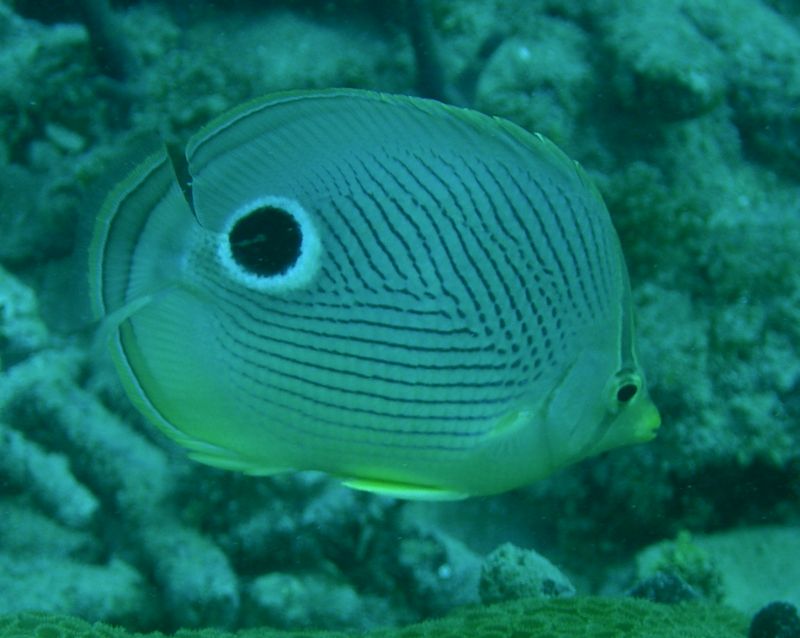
{"x": 686, "y": 113}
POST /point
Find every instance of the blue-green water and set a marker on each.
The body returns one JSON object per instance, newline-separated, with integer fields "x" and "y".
{"x": 687, "y": 117}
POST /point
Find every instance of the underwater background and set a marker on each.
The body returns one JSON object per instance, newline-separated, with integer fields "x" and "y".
{"x": 687, "y": 117}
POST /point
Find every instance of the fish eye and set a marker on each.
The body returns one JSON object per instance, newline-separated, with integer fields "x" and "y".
{"x": 626, "y": 392}
{"x": 622, "y": 388}
{"x": 271, "y": 244}
{"x": 266, "y": 241}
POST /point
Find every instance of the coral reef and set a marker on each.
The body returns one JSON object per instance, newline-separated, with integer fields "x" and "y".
{"x": 745, "y": 569}
{"x": 710, "y": 230}
{"x": 756, "y": 565}
{"x": 511, "y": 572}
{"x": 684, "y": 559}
{"x": 523, "y": 618}
{"x": 664, "y": 587}
{"x": 686, "y": 116}
{"x": 128, "y": 475}
{"x": 776, "y": 620}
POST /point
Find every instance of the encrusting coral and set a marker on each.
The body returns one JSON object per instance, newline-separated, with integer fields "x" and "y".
{"x": 524, "y": 618}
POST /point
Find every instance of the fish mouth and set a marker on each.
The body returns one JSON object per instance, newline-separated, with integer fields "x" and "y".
{"x": 649, "y": 421}
{"x": 638, "y": 424}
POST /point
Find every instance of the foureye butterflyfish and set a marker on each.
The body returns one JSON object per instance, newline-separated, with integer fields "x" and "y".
{"x": 420, "y": 300}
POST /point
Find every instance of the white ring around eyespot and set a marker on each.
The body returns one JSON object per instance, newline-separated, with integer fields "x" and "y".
{"x": 300, "y": 273}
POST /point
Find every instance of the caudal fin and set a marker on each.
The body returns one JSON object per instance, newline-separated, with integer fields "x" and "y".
{"x": 139, "y": 239}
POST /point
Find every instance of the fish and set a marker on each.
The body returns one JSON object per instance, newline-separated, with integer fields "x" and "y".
{"x": 419, "y": 300}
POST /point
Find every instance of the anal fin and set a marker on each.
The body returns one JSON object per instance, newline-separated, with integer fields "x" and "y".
{"x": 406, "y": 491}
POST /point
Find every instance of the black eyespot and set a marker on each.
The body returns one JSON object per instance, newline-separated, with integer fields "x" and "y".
{"x": 266, "y": 241}
{"x": 626, "y": 392}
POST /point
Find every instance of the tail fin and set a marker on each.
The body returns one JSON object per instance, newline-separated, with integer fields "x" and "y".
{"x": 139, "y": 240}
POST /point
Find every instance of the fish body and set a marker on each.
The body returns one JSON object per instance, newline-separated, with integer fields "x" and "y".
{"x": 421, "y": 300}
